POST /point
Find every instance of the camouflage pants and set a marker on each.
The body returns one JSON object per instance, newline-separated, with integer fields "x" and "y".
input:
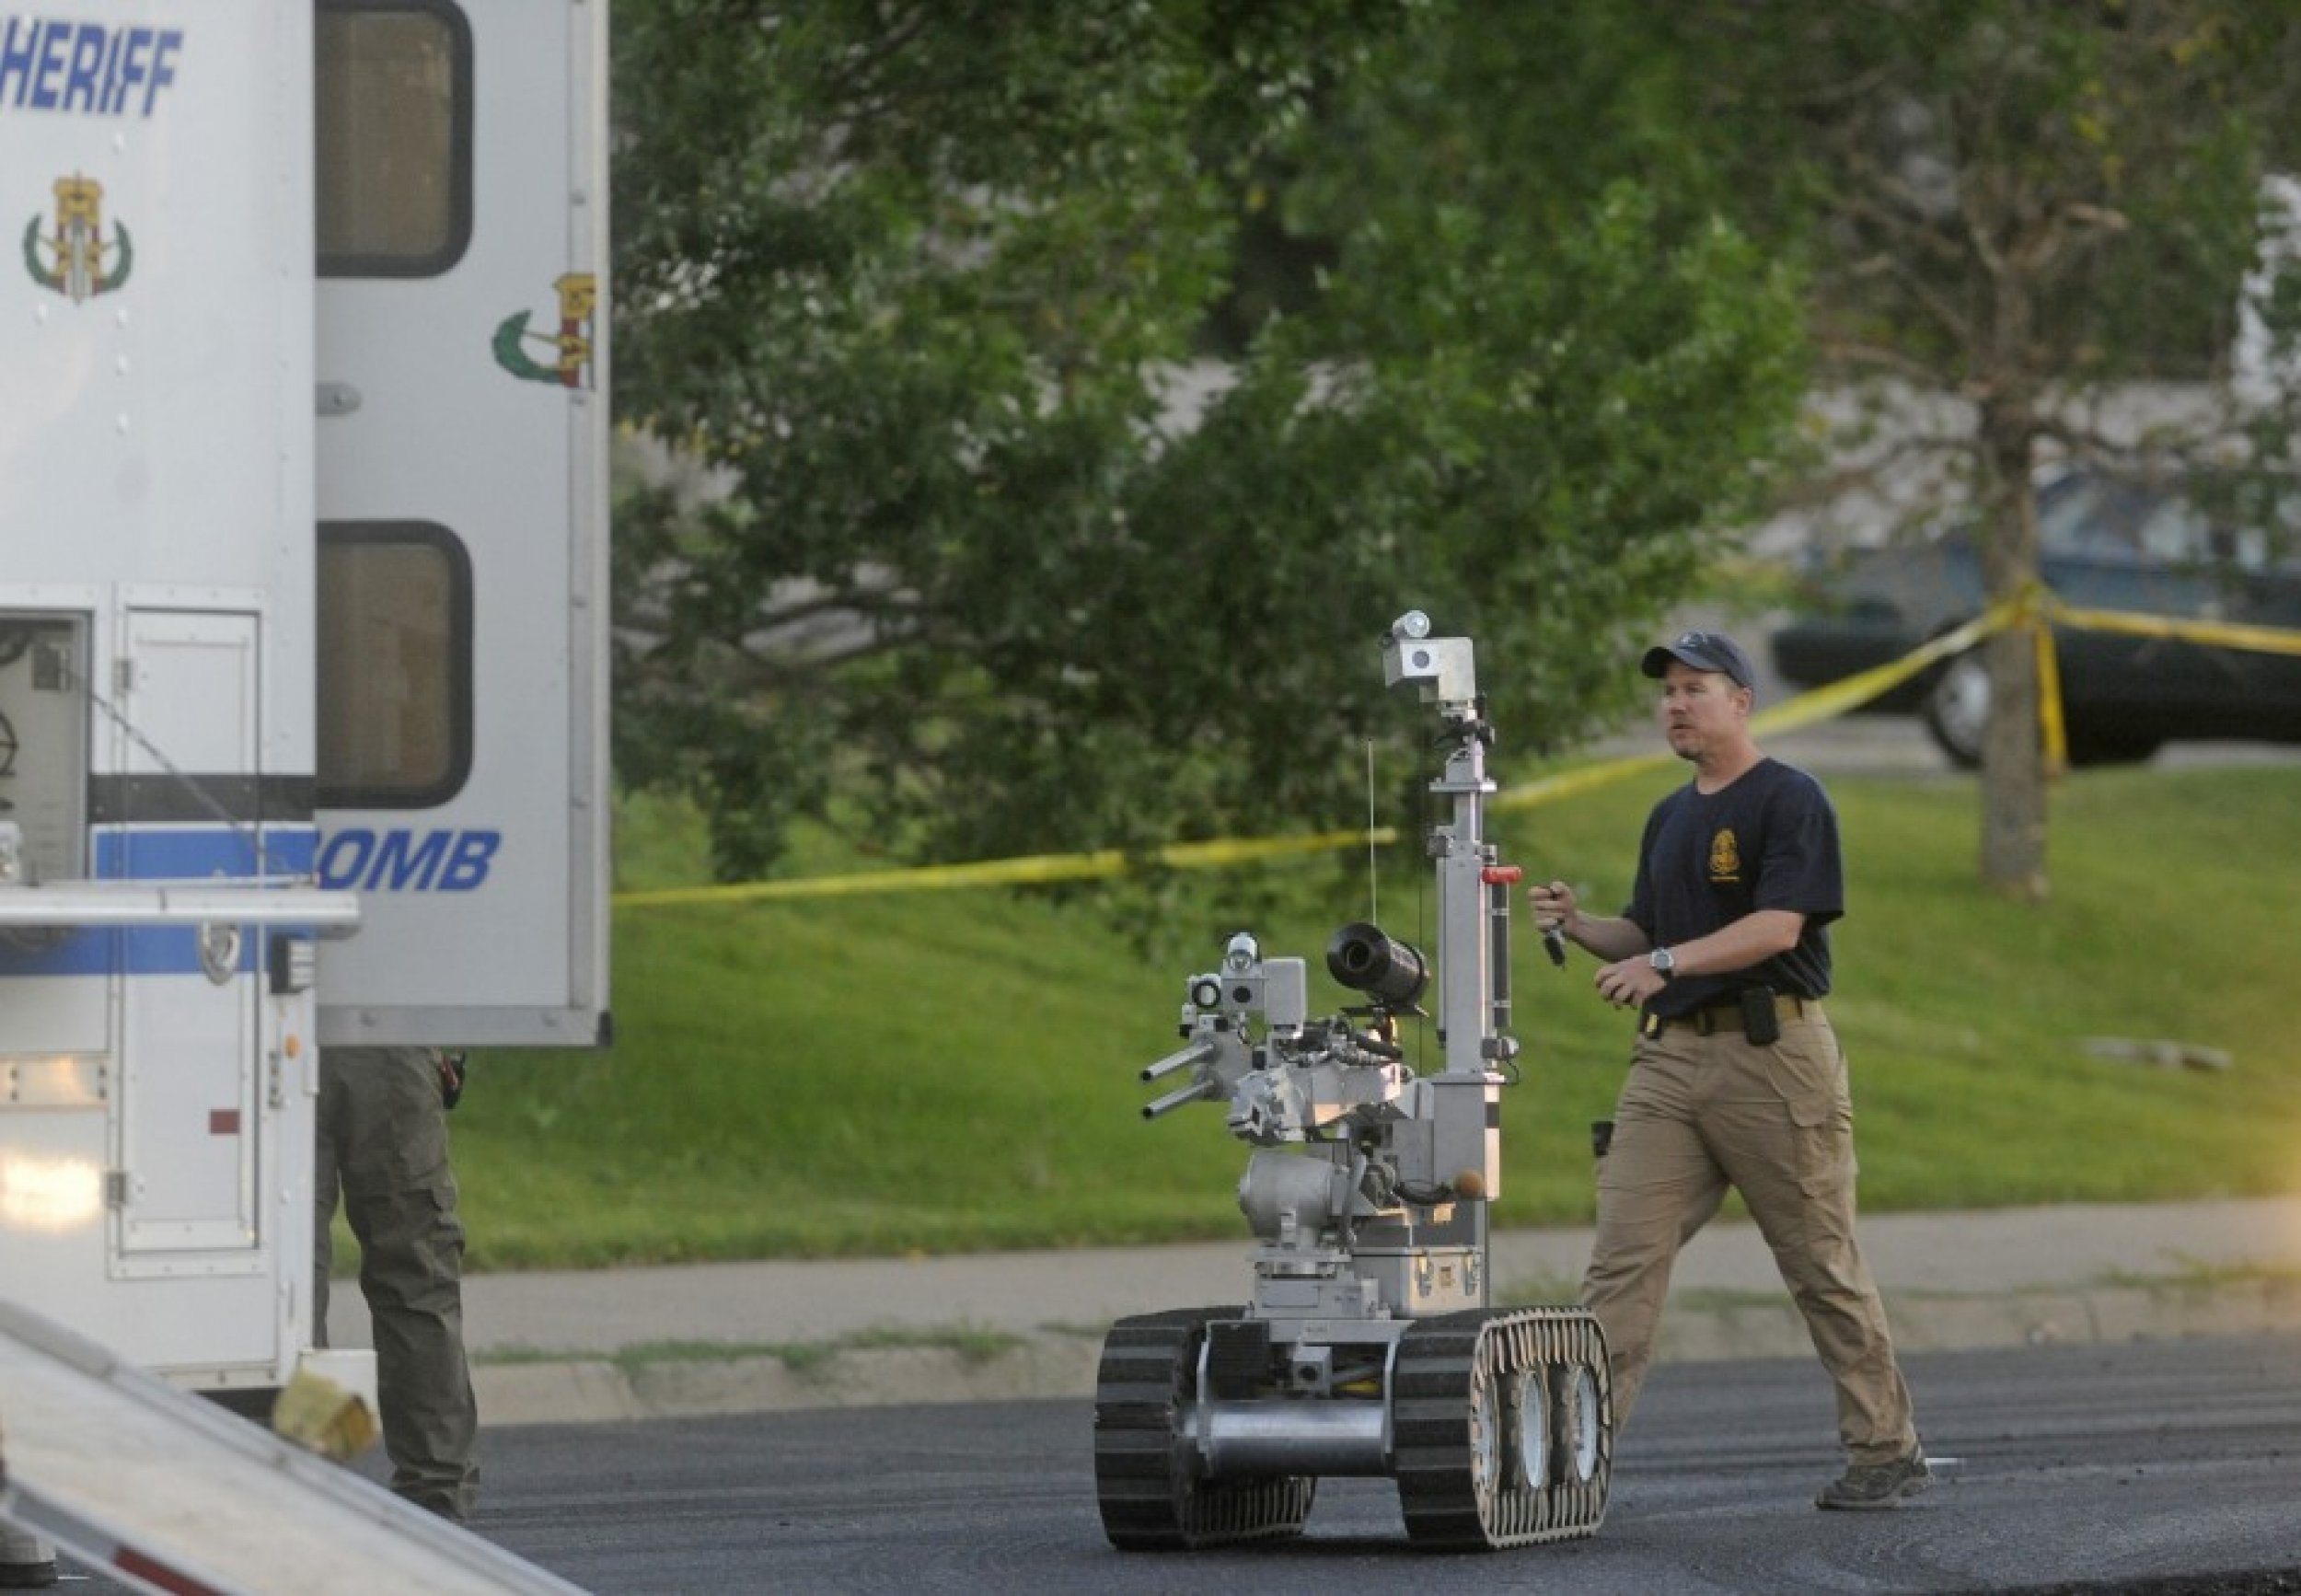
{"x": 383, "y": 1141}
{"x": 1698, "y": 1114}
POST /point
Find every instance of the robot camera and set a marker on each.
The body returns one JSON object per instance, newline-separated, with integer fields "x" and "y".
{"x": 1440, "y": 665}
{"x": 1277, "y": 989}
{"x": 1366, "y": 959}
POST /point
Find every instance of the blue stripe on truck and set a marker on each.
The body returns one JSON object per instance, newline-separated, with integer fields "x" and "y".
{"x": 176, "y": 853}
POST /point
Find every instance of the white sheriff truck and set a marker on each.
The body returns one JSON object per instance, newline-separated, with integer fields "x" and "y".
{"x": 302, "y": 603}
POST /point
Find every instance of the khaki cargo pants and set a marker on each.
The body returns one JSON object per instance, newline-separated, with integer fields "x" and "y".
{"x": 383, "y": 1139}
{"x": 1700, "y": 1113}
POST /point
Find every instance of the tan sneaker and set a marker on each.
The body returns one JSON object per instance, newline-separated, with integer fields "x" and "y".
{"x": 1867, "y": 1486}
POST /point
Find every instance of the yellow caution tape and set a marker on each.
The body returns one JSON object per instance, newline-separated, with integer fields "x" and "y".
{"x": 2051, "y": 727}
{"x": 1824, "y": 703}
{"x": 1585, "y": 779}
{"x": 2035, "y": 608}
{"x": 1827, "y": 703}
{"x": 2220, "y": 633}
{"x": 1036, "y": 870}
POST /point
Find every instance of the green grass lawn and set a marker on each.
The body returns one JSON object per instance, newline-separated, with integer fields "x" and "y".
{"x": 952, "y": 1070}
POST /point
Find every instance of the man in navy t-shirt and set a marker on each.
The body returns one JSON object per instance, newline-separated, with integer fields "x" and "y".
{"x": 1736, "y": 1078}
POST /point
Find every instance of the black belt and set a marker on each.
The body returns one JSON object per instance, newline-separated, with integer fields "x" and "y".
{"x": 1727, "y": 1016}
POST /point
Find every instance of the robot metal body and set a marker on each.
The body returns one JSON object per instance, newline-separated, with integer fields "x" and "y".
{"x": 1371, "y": 1346}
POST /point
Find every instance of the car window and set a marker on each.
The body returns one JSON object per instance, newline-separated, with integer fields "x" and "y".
{"x": 2090, "y": 519}
{"x": 2178, "y": 533}
{"x": 2174, "y": 533}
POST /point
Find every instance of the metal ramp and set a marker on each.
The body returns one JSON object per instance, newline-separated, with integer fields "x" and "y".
{"x": 166, "y": 1492}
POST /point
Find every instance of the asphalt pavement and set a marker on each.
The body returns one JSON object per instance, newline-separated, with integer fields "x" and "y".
{"x": 569, "y": 1347}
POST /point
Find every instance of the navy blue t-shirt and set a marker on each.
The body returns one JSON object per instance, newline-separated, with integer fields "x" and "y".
{"x": 1767, "y": 840}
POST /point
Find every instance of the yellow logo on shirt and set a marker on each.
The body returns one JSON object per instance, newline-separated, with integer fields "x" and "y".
{"x": 1725, "y": 859}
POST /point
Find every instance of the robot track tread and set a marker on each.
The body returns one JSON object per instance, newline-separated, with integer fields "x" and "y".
{"x": 1152, "y": 1497}
{"x": 1502, "y": 1429}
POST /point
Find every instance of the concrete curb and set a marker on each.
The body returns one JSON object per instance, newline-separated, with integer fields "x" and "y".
{"x": 1062, "y": 1363}
{"x": 1055, "y": 1364}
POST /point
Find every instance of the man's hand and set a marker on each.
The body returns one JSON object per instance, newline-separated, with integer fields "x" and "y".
{"x": 453, "y": 1067}
{"x": 1555, "y": 909}
{"x": 1628, "y": 983}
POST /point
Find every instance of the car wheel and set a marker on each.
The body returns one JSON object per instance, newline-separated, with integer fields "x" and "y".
{"x": 1957, "y": 713}
{"x": 1957, "y": 710}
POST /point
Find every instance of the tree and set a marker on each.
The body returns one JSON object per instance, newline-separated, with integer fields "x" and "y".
{"x": 2013, "y": 206}
{"x": 917, "y": 281}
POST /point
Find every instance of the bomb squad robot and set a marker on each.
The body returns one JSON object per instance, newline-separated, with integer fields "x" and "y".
{"x": 1371, "y": 1346}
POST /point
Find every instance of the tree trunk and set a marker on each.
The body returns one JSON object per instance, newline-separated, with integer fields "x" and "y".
{"x": 2013, "y": 757}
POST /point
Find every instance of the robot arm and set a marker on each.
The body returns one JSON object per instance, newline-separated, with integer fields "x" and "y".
{"x": 1285, "y": 1077}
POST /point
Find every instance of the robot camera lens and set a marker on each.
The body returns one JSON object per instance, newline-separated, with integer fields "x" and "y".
{"x": 1366, "y": 959}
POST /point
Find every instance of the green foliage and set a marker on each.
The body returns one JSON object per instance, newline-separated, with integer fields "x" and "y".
{"x": 921, "y": 285}
{"x": 2022, "y": 192}
{"x": 955, "y": 1072}
{"x": 916, "y": 281}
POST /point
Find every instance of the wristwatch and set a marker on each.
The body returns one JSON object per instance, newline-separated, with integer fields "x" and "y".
{"x": 1664, "y": 964}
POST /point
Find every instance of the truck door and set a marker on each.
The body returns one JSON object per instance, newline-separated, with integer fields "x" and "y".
{"x": 189, "y": 751}
{"x": 462, "y": 781}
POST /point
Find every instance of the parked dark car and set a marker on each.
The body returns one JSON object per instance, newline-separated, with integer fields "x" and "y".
{"x": 2104, "y": 544}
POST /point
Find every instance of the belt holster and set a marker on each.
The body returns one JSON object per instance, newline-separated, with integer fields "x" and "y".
{"x": 1761, "y": 1021}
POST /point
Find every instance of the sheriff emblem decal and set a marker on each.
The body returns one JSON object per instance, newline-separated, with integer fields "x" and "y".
{"x": 75, "y": 258}
{"x": 579, "y": 300}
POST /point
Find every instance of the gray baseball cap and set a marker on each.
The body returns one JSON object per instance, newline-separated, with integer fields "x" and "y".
{"x": 1705, "y": 651}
